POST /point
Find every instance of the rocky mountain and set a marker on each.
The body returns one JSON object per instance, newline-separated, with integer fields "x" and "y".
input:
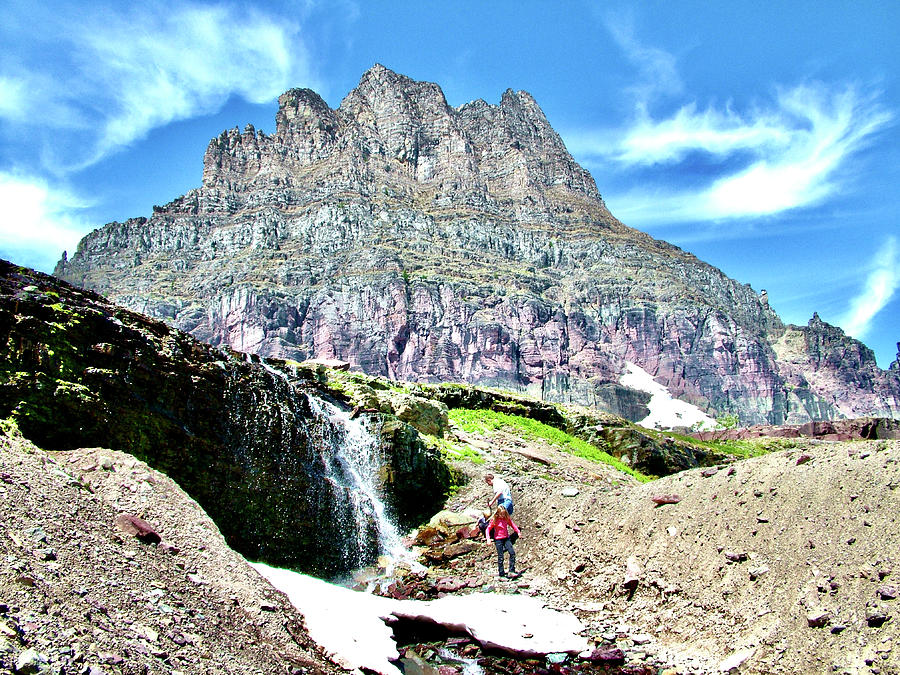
{"x": 430, "y": 243}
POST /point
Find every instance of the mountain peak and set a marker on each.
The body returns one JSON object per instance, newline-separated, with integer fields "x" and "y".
{"x": 475, "y": 152}
{"x": 427, "y": 242}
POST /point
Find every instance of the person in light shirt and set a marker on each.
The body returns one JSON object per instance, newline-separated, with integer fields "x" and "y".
{"x": 502, "y": 493}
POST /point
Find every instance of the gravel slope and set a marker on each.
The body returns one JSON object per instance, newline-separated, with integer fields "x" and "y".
{"x": 786, "y": 563}
{"x": 79, "y": 595}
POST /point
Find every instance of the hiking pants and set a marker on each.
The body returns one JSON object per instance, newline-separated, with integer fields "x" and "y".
{"x": 505, "y": 545}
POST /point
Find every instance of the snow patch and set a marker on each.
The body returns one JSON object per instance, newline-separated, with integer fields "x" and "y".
{"x": 665, "y": 411}
{"x": 348, "y": 625}
{"x": 351, "y": 626}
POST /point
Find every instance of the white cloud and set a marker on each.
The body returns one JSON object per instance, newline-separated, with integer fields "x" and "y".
{"x": 881, "y": 284}
{"x": 657, "y": 69}
{"x": 770, "y": 160}
{"x": 131, "y": 68}
{"x": 38, "y": 222}
{"x": 12, "y": 98}
{"x": 715, "y": 132}
{"x": 755, "y": 162}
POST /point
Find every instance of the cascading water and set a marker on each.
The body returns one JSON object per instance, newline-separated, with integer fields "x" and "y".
{"x": 350, "y": 455}
{"x": 301, "y": 484}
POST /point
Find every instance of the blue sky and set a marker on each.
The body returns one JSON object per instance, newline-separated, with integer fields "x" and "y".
{"x": 763, "y": 137}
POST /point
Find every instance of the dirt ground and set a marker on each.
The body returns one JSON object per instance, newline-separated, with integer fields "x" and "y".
{"x": 786, "y": 563}
{"x": 80, "y": 595}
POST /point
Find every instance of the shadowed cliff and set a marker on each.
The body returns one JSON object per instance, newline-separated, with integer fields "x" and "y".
{"x": 239, "y": 436}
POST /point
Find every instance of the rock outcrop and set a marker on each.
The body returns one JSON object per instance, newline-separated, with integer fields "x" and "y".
{"x": 241, "y": 437}
{"x": 425, "y": 242}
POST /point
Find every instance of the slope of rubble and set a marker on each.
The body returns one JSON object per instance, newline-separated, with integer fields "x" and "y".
{"x": 109, "y": 567}
{"x": 783, "y": 563}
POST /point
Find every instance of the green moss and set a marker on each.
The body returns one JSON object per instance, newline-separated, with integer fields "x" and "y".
{"x": 74, "y": 390}
{"x": 754, "y": 447}
{"x": 743, "y": 449}
{"x": 485, "y": 421}
{"x": 9, "y": 428}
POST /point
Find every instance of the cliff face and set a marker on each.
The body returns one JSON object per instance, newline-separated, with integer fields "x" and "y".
{"x": 240, "y": 437}
{"x": 424, "y": 242}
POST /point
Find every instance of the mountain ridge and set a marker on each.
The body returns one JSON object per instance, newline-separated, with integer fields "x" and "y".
{"x": 425, "y": 242}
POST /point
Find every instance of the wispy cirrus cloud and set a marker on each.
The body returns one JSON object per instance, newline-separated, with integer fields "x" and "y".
{"x": 657, "y": 69}
{"x": 772, "y": 159}
{"x": 121, "y": 70}
{"x": 764, "y": 159}
{"x": 882, "y": 282}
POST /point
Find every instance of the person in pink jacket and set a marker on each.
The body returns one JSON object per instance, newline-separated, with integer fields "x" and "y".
{"x": 504, "y": 532}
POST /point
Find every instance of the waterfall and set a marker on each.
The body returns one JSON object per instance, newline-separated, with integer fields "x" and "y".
{"x": 314, "y": 488}
{"x": 352, "y": 462}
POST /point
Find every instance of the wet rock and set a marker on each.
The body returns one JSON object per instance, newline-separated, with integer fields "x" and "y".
{"x": 457, "y": 549}
{"x": 428, "y": 536}
{"x": 607, "y": 656}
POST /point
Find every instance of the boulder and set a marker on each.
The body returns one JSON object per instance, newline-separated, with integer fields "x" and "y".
{"x": 424, "y": 415}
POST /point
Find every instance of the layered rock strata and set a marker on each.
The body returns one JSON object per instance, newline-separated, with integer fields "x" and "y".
{"x": 425, "y": 242}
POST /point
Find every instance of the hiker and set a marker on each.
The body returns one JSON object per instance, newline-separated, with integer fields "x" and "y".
{"x": 480, "y": 525}
{"x": 502, "y": 493}
{"x": 504, "y": 532}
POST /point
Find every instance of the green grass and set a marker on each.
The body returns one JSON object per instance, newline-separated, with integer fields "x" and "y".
{"x": 755, "y": 447}
{"x": 486, "y": 421}
{"x": 454, "y": 451}
{"x": 744, "y": 449}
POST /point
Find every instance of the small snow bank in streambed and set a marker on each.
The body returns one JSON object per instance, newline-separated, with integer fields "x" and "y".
{"x": 513, "y": 623}
{"x": 665, "y": 411}
{"x": 347, "y": 624}
{"x": 351, "y": 626}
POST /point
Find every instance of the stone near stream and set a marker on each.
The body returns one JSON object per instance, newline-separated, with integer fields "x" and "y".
{"x": 610, "y": 656}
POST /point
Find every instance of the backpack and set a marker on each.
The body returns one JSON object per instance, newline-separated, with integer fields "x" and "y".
{"x": 482, "y": 525}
